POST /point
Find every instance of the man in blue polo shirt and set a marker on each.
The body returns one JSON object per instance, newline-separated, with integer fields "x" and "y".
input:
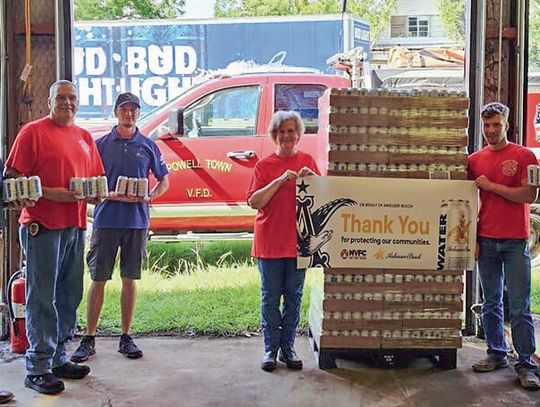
{"x": 121, "y": 222}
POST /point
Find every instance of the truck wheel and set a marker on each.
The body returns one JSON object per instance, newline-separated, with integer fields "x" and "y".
{"x": 534, "y": 238}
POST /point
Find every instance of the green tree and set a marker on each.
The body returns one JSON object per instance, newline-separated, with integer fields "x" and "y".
{"x": 452, "y": 13}
{"x": 534, "y": 34}
{"x": 377, "y": 12}
{"x": 122, "y": 9}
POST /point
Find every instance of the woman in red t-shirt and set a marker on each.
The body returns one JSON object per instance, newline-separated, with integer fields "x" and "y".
{"x": 272, "y": 193}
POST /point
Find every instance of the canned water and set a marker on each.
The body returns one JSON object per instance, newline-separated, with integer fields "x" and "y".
{"x": 121, "y": 185}
{"x": 90, "y": 185}
{"x": 102, "y": 187}
{"x": 131, "y": 187}
{"x": 21, "y": 185}
{"x": 76, "y": 185}
{"x": 533, "y": 174}
{"x": 142, "y": 187}
{"x": 34, "y": 188}
{"x": 458, "y": 245}
{"x": 10, "y": 190}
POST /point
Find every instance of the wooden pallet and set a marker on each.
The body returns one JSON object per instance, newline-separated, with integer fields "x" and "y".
{"x": 351, "y": 334}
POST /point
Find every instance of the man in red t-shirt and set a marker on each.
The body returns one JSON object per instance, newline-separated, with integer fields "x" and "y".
{"x": 52, "y": 235}
{"x": 500, "y": 172}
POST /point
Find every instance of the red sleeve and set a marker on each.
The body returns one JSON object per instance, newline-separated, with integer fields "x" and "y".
{"x": 22, "y": 154}
{"x": 527, "y": 158}
{"x": 96, "y": 163}
{"x": 257, "y": 181}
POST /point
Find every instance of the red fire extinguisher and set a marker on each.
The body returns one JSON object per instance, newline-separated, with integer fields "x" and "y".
{"x": 16, "y": 303}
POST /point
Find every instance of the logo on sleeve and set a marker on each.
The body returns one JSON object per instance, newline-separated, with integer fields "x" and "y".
{"x": 509, "y": 168}
{"x": 85, "y": 147}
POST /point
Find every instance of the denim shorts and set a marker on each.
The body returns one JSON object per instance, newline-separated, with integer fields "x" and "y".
{"x": 104, "y": 247}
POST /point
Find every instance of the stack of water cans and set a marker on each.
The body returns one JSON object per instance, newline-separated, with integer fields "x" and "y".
{"x": 17, "y": 189}
{"x": 131, "y": 186}
{"x": 93, "y": 187}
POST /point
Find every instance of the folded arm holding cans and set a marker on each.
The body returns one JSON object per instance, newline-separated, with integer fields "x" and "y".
{"x": 520, "y": 194}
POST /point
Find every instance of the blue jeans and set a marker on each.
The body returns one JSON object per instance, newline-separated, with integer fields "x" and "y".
{"x": 507, "y": 261}
{"x": 54, "y": 286}
{"x": 280, "y": 277}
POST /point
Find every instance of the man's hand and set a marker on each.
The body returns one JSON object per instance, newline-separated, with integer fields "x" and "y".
{"x": 482, "y": 182}
{"x": 94, "y": 201}
{"x": 18, "y": 205}
{"x": 113, "y": 196}
{"x": 59, "y": 194}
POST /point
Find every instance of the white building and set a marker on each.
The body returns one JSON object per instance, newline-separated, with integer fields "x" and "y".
{"x": 414, "y": 24}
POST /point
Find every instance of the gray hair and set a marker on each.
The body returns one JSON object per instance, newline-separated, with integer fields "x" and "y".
{"x": 283, "y": 115}
{"x": 61, "y": 82}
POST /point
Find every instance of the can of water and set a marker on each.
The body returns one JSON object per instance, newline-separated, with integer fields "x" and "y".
{"x": 34, "y": 188}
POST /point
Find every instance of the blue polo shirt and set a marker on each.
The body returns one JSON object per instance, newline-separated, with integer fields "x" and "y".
{"x": 134, "y": 157}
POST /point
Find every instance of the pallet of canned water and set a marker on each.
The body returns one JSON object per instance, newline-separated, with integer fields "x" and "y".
{"x": 92, "y": 187}
{"x": 389, "y": 108}
{"x": 370, "y": 136}
{"x": 17, "y": 189}
{"x": 131, "y": 186}
{"x": 387, "y": 309}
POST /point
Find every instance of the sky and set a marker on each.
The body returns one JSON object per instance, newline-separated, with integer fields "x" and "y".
{"x": 199, "y": 9}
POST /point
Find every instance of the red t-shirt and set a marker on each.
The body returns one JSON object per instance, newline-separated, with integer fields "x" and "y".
{"x": 275, "y": 225}
{"x": 56, "y": 154}
{"x": 500, "y": 218}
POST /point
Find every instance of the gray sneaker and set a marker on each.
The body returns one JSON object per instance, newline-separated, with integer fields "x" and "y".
{"x": 86, "y": 349}
{"x": 490, "y": 364}
{"x": 528, "y": 380}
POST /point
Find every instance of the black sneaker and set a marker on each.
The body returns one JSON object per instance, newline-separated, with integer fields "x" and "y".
{"x": 71, "y": 371}
{"x": 46, "y": 383}
{"x": 128, "y": 348}
{"x": 86, "y": 349}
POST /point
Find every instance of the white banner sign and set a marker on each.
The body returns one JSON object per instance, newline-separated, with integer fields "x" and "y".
{"x": 386, "y": 223}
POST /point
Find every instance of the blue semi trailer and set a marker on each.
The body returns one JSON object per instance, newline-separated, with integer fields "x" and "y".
{"x": 158, "y": 59}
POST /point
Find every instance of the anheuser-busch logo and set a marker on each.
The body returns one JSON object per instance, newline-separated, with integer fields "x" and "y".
{"x": 353, "y": 254}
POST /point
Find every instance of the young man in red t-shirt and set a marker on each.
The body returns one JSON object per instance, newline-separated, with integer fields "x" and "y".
{"x": 52, "y": 235}
{"x": 500, "y": 172}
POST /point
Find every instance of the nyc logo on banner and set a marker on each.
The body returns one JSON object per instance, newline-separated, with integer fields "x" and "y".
{"x": 386, "y": 223}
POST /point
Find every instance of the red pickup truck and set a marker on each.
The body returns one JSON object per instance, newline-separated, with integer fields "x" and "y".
{"x": 226, "y": 121}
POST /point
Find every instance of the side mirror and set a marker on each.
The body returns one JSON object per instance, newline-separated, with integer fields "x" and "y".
{"x": 176, "y": 122}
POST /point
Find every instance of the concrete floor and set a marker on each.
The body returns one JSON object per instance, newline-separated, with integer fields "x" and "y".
{"x": 225, "y": 372}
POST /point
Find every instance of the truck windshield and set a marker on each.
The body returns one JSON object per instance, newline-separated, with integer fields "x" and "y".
{"x": 165, "y": 107}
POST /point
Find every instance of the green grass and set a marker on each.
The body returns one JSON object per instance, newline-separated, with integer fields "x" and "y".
{"x": 169, "y": 258}
{"x": 211, "y": 301}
